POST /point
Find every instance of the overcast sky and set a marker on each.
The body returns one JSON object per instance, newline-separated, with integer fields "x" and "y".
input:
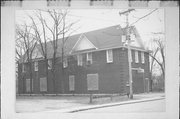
{"x": 91, "y": 19}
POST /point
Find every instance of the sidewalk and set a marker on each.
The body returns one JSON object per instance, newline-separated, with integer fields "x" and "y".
{"x": 136, "y": 99}
{"x": 69, "y": 103}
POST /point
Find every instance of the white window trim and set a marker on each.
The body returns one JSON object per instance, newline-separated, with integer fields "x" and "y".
{"x": 88, "y": 58}
{"x": 136, "y": 57}
{"x": 36, "y": 66}
{"x": 79, "y": 63}
{"x": 142, "y": 58}
{"x": 107, "y": 56}
{"x": 65, "y": 63}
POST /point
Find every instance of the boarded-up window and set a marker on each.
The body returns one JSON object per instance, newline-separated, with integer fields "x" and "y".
{"x": 142, "y": 57}
{"x": 43, "y": 84}
{"x": 36, "y": 66}
{"x": 28, "y": 89}
{"x": 92, "y": 81}
{"x": 136, "y": 57}
{"x": 71, "y": 82}
{"x": 49, "y": 64}
{"x": 79, "y": 60}
{"x": 109, "y": 56}
{"x": 89, "y": 57}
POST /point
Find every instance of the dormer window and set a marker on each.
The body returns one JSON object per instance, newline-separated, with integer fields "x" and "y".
{"x": 79, "y": 60}
{"x": 109, "y": 56}
{"x": 123, "y": 38}
{"x": 89, "y": 57}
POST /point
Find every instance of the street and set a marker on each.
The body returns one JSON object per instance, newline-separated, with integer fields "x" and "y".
{"x": 149, "y": 106}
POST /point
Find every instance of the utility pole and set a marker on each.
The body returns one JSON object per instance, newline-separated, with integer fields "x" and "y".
{"x": 128, "y": 40}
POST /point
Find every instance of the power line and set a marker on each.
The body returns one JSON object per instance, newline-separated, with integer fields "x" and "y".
{"x": 144, "y": 16}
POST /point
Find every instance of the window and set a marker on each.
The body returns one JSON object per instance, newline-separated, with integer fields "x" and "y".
{"x": 142, "y": 57}
{"x": 92, "y": 81}
{"x": 132, "y": 36}
{"x": 79, "y": 60}
{"x": 89, "y": 57}
{"x": 23, "y": 68}
{"x": 43, "y": 84}
{"x": 49, "y": 64}
{"x": 136, "y": 57}
{"x": 28, "y": 89}
{"x": 109, "y": 56}
{"x": 71, "y": 83}
{"x": 123, "y": 39}
{"x": 65, "y": 63}
{"x": 36, "y": 66}
{"x": 28, "y": 85}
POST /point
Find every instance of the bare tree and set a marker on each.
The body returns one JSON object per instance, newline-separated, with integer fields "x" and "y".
{"x": 159, "y": 59}
{"x": 25, "y": 45}
{"x": 41, "y": 37}
{"x": 60, "y": 32}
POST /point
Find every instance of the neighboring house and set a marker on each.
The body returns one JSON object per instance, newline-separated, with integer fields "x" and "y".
{"x": 96, "y": 60}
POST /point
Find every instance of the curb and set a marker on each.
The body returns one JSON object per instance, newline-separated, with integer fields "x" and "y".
{"x": 107, "y": 105}
{"x": 117, "y": 104}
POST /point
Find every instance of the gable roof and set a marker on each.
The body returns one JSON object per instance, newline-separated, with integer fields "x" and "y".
{"x": 104, "y": 38}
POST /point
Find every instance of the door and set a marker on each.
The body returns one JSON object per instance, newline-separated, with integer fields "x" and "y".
{"x": 138, "y": 82}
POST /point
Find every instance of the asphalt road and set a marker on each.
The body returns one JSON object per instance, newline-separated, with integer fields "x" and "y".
{"x": 150, "y": 106}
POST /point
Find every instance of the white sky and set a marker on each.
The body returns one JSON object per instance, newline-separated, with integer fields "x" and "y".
{"x": 91, "y": 19}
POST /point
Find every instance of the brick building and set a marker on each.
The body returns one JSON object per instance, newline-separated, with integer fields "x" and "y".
{"x": 95, "y": 60}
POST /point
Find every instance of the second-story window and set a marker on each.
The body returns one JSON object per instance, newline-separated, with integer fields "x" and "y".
{"x": 36, "y": 66}
{"x": 49, "y": 64}
{"x": 79, "y": 60}
{"x": 23, "y": 68}
{"x": 142, "y": 57}
{"x": 123, "y": 38}
{"x": 136, "y": 57}
{"x": 109, "y": 56}
{"x": 89, "y": 57}
{"x": 65, "y": 63}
